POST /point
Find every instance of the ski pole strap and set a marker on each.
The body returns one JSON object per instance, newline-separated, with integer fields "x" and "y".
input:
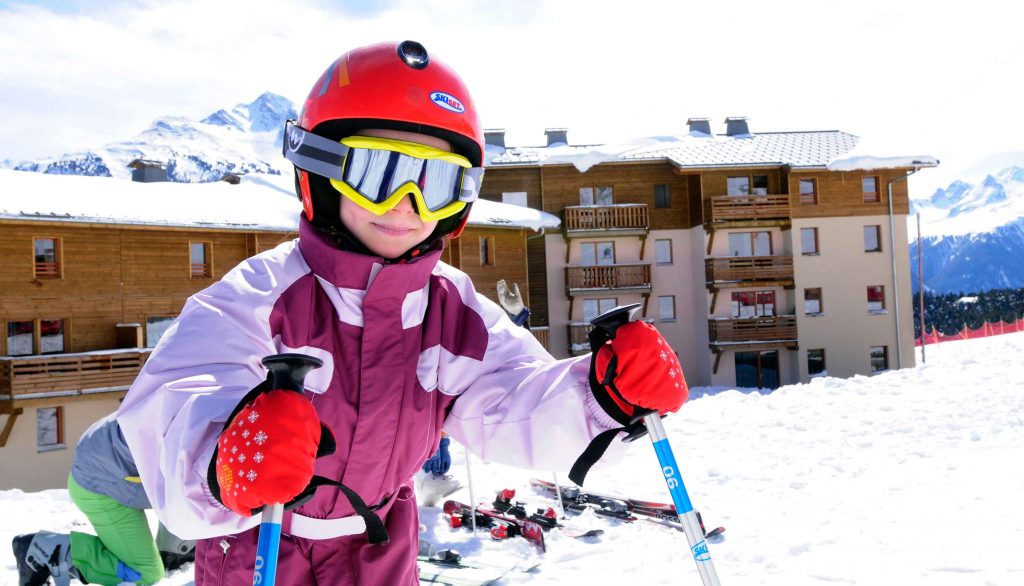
{"x": 375, "y": 531}
{"x": 602, "y": 388}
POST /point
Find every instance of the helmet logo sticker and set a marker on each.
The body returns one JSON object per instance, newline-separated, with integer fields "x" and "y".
{"x": 448, "y": 102}
{"x": 294, "y": 138}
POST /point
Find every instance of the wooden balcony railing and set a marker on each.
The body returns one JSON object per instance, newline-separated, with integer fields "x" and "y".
{"x": 614, "y": 217}
{"x": 200, "y": 270}
{"x": 780, "y": 329}
{"x": 624, "y": 276}
{"x": 725, "y": 208}
{"x": 48, "y": 270}
{"x": 739, "y": 269}
{"x": 69, "y": 373}
{"x": 543, "y": 335}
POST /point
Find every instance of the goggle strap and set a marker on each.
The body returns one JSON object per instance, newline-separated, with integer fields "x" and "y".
{"x": 313, "y": 153}
{"x": 471, "y": 184}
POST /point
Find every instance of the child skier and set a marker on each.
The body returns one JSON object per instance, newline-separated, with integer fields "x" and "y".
{"x": 388, "y": 156}
{"x": 104, "y": 484}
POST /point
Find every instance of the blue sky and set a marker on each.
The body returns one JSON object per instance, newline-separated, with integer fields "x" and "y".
{"x": 909, "y": 77}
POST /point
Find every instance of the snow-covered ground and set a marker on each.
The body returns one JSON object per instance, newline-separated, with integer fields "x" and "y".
{"x": 907, "y": 477}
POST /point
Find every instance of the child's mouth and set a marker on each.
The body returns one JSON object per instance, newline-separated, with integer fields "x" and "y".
{"x": 392, "y": 230}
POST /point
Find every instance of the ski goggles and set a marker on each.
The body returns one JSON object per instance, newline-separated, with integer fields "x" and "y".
{"x": 377, "y": 173}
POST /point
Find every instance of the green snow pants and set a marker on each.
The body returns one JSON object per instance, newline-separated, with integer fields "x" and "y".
{"x": 122, "y": 534}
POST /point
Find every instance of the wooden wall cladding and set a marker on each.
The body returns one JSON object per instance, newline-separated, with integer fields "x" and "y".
{"x": 841, "y": 194}
{"x": 111, "y": 274}
{"x": 498, "y": 180}
{"x": 509, "y": 260}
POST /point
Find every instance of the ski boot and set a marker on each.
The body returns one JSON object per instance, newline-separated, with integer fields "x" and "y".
{"x": 42, "y": 555}
{"x": 174, "y": 551}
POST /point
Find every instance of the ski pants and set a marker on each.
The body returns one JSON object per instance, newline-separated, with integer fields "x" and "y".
{"x": 122, "y": 534}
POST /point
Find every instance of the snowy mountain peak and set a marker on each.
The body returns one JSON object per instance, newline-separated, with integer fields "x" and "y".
{"x": 245, "y": 139}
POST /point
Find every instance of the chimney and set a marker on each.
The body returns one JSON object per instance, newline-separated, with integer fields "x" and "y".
{"x": 699, "y": 125}
{"x": 736, "y": 126}
{"x": 494, "y": 137}
{"x": 147, "y": 171}
{"x": 557, "y": 136}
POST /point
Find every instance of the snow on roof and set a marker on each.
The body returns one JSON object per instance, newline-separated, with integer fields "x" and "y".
{"x": 698, "y": 150}
{"x": 258, "y": 202}
{"x": 869, "y": 155}
{"x": 503, "y": 215}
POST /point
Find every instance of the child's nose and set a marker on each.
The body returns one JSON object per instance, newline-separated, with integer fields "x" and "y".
{"x": 404, "y": 206}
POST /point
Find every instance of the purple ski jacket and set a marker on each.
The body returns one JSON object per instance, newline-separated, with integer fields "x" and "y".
{"x": 407, "y": 348}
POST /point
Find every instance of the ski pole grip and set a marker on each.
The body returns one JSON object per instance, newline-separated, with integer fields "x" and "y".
{"x": 611, "y": 320}
{"x": 288, "y": 371}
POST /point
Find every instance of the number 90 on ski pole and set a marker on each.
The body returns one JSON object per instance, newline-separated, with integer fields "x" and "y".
{"x": 610, "y": 321}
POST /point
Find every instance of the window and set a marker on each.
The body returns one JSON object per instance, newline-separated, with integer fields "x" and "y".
{"x": 872, "y": 239}
{"x": 879, "y": 358}
{"x": 663, "y": 252}
{"x": 750, "y": 244}
{"x": 199, "y": 257}
{"x": 667, "y": 308}
{"x": 19, "y": 338}
{"x": 869, "y": 187}
{"x": 47, "y": 258}
{"x": 595, "y": 307}
{"x": 516, "y": 198}
{"x": 51, "y": 336}
{"x": 753, "y": 304}
{"x": 597, "y": 253}
{"x": 876, "y": 299}
{"x": 49, "y": 428}
{"x": 662, "y": 196}
{"x": 755, "y": 185}
{"x": 808, "y": 191}
{"x": 155, "y": 328}
{"x": 812, "y": 301}
{"x": 595, "y": 196}
{"x": 486, "y": 251}
{"x": 760, "y": 185}
{"x": 816, "y": 361}
{"x": 808, "y": 241}
{"x": 757, "y": 369}
{"x": 737, "y": 186}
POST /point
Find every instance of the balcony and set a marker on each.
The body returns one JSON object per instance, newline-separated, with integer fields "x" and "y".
{"x": 765, "y": 331}
{"x": 612, "y": 220}
{"x": 586, "y": 280}
{"x": 543, "y": 335}
{"x": 69, "y": 374}
{"x": 748, "y": 271}
{"x": 747, "y": 209}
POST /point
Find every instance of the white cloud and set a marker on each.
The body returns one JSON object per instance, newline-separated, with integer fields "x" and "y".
{"x": 914, "y": 77}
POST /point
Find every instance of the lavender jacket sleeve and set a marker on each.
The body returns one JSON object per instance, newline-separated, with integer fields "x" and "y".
{"x": 204, "y": 364}
{"x": 518, "y": 406}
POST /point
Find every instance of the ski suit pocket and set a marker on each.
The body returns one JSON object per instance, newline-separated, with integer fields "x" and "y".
{"x": 427, "y": 366}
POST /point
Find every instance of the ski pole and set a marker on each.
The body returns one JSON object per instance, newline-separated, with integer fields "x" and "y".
{"x": 610, "y": 321}
{"x": 287, "y": 371}
{"x": 472, "y": 499}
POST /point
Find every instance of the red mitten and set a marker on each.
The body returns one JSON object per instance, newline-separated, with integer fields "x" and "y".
{"x": 647, "y": 372}
{"x": 266, "y": 454}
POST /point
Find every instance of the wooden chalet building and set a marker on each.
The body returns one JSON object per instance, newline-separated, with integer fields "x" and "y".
{"x": 95, "y": 269}
{"x": 760, "y": 263}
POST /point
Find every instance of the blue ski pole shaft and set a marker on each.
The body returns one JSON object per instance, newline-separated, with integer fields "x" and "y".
{"x": 681, "y": 499}
{"x": 268, "y": 545}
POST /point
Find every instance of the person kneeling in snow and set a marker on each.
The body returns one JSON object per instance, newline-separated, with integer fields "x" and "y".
{"x": 104, "y": 484}
{"x": 388, "y": 154}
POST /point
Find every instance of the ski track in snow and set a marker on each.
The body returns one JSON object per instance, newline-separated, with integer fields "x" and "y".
{"x": 907, "y": 477}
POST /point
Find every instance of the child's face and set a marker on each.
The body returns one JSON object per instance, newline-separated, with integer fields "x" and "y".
{"x": 400, "y": 228}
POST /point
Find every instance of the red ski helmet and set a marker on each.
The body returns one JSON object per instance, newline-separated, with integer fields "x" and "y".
{"x": 394, "y": 86}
